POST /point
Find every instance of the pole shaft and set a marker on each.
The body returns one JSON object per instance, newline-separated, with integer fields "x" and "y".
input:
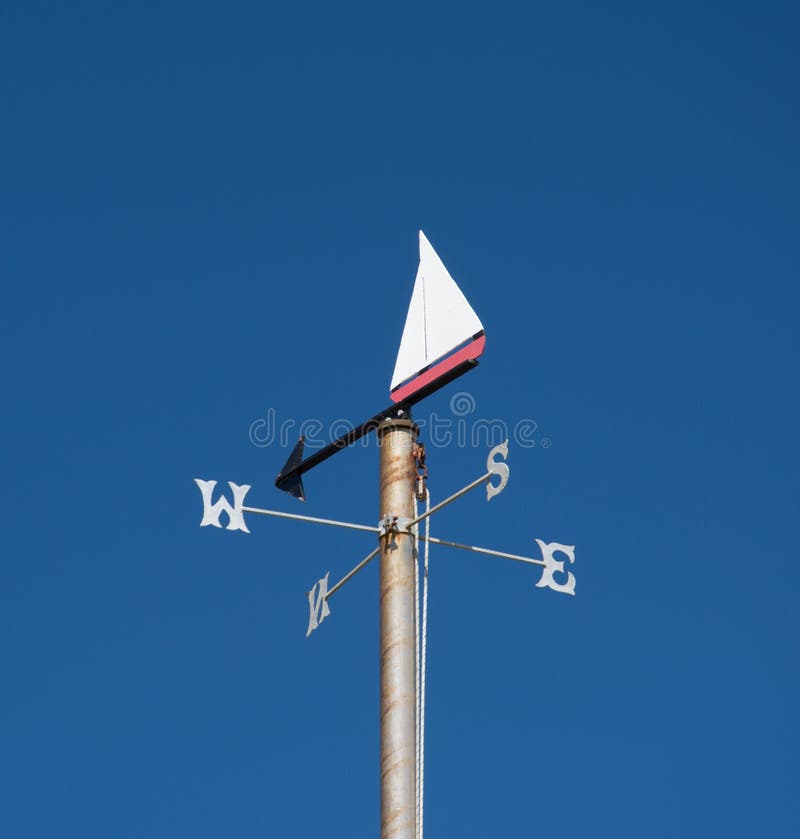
{"x": 397, "y": 646}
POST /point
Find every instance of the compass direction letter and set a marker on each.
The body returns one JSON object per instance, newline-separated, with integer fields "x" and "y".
{"x": 499, "y": 469}
{"x": 553, "y": 566}
{"x": 318, "y": 604}
{"x": 211, "y": 512}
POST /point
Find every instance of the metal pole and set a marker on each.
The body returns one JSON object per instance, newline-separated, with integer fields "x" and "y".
{"x": 397, "y": 646}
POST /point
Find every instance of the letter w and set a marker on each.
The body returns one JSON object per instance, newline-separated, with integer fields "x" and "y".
{"x": 211, "y": 512}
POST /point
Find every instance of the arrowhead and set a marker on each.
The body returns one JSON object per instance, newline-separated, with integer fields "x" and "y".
{"x": 289, "y": 480}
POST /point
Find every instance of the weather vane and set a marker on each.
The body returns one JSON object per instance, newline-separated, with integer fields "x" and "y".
{"x": 442, "y": 340}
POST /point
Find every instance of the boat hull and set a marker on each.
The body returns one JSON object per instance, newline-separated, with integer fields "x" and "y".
{"x": 469, "y": 352}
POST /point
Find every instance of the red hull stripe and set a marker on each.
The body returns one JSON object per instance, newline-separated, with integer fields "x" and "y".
{"x": 469, "y": 352}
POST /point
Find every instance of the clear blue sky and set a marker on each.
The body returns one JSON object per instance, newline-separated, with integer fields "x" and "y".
{"x": 209, "y": 212}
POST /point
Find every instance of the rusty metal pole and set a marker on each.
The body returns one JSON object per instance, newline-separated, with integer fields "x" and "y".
{"x": 397, "y": 636}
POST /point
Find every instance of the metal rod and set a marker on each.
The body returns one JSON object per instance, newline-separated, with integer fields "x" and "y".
{"x": 353, "y": 571}
{"x": 436, "y": 541}
{"x": 397, "y": 631}
{"x": 487, "y": 551}
{"x": 364, "y": 527}
{"x": 351, "y": 526}
{"x": 312, "y": 519}
{"x": 476, "y": 483}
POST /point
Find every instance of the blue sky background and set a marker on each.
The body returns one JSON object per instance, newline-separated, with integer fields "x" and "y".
{"x": 211, "y": 211}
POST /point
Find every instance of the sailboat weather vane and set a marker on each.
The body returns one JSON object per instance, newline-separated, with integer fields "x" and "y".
{"x": 442, "y": 340}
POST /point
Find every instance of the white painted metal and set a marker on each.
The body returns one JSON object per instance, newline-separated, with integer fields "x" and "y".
{"x": 497, "y": 468}
{"x": 318, "y": 604}
{"x": 450, "y": 320}
{"x": 212, "y": 512}
{"x": 439, "y": 318}
{"x": 412, "y": 355}
{"x": 552, "y": 566}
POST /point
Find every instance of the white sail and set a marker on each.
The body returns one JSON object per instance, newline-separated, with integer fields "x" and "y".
{"x": 439, "y": 318}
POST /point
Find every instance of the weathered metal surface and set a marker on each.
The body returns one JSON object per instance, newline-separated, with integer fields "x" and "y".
{"x": 397, "y": 634}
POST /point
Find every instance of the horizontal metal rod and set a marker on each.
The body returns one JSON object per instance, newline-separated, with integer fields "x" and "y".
{"x": 487, "y": 551}
{"x": 476, "y": 483}
{"x": 312, "y": 519}
{"x": 354, "y": 571}
{"x": 365, "y": 527}
{"x": 436, "y": 541}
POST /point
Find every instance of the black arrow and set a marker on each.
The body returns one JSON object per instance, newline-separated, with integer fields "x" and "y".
{"x": 290, "y": 477}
